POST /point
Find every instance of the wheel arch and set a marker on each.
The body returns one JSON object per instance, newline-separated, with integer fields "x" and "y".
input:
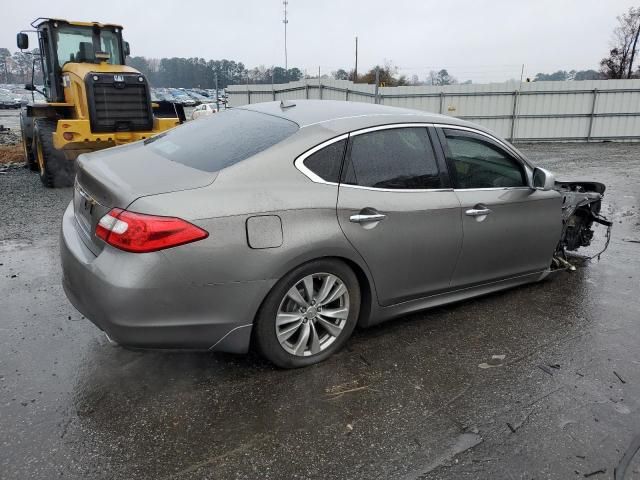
{"x": 365, "y": 281}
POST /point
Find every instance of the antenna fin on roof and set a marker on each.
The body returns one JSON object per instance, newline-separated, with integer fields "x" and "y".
{"x": 286, "y": 104}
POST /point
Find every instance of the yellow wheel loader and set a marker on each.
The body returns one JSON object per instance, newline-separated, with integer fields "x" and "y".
{"x": 93, "y": 100}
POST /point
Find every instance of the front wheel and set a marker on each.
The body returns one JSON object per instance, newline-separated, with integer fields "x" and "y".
{"x": 309, "y": 314}
{"x": 55, "y": 170}
{"x": 27, "y": 144}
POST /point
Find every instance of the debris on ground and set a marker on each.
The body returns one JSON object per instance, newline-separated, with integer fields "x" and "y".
{"x": 545, "y": 369}
{"x": 495, "y": 361}
{"x": 622, "y": 380}
{"x": 596, "y": 472}
{"x": 349, "y": 387}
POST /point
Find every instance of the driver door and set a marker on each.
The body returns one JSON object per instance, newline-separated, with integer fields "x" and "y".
{"x": 509, "y": 229}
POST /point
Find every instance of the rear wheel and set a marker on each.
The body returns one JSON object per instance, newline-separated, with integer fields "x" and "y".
{"x": 55, "y": 170}
{"x": 309, "y": 314}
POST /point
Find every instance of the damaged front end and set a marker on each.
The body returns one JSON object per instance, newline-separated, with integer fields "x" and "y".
{"x": 581, "y": 203}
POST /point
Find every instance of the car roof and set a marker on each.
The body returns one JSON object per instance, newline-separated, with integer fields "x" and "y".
{"x": 312, "y": 112}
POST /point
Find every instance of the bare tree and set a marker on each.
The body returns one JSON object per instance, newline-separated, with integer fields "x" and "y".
{"x": 619, "y": 63}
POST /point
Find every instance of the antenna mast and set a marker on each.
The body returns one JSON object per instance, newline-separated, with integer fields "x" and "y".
{"x": 285, "y": 21}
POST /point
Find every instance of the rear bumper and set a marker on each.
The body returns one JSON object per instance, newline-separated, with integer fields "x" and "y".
{"x": 84, "y": 138}
{"x": 140, "y": 300}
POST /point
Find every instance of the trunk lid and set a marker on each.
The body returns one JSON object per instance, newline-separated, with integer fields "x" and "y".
{"x": 118, "y": 176}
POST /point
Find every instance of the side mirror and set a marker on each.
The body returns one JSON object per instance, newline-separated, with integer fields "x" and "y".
{"x": 22, "y": 39}
{"x": 127, "y": 49}
{"x": 29, "y": 87}
{"x": 543, "y": 179}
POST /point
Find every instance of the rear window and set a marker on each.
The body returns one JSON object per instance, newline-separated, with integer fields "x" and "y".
{"x": 219, "y": 141}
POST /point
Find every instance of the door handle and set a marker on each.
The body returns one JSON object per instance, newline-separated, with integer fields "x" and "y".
{"x": 477, "y": 212}
{"x": 366, "y": 218}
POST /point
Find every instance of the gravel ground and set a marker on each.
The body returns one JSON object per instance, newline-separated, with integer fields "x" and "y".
{"x": 405, "y": 400}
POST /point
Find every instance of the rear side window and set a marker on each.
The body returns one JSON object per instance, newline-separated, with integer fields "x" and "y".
{"x": 399, "y": 158}
{"x": 219, "y": 141}
{"x": 327, "y": 162}
{"x": 480, "y": 164}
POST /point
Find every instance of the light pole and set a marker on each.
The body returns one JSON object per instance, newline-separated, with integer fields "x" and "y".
{"x": 355, "y": 71}
{"x": 285, "y": 21}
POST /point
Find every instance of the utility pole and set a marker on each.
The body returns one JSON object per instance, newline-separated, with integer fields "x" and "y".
{"x": 355, "y": 71}
{"x": 285, "y": 21}
{"x": 217, "y": 101}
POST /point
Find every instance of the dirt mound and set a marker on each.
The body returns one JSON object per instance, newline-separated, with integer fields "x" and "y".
{"x": 11, "y": 154}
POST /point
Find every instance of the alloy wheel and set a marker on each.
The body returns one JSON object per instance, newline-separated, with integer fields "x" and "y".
{"x": 313, "y": 314}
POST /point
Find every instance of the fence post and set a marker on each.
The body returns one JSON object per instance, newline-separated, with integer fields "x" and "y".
{"x": 376, "y": 100}
{"x": 346, "y": 94}
{"x": 441, "y": 103}
{"x": 273, "y": 90}
{"x": 514, "y": 115}
{"x": 593, "y": 112}
{"x": 319, "y": 85}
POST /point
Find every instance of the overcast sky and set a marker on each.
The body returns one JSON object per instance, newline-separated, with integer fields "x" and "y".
{"x": 481, "y": 40}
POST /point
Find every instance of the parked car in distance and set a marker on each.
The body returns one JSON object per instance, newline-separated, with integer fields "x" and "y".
{"x": 197, "y": 96}
{"x": 203, "y": 110}
{"x": 182, "y": 97}
{"x": 10, "y": 100}
{"x": 285, "y": 225}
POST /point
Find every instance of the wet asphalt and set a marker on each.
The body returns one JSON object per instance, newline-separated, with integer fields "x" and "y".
{"x": 404, "y": 400}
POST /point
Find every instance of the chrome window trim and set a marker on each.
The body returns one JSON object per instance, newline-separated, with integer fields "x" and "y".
{"x": 489, "y": 189}
{"x": 397, "y": 190}
{"x": 390, "y": 127}
{"x": 299, "y": 161}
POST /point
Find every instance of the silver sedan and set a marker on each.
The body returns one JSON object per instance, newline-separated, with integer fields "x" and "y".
{"x": 283, "y": 226}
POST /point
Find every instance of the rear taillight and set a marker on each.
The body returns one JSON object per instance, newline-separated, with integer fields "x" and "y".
{"x": 140, "y": 233}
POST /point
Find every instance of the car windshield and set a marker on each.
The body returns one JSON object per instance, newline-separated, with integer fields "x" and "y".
{"x": 76, "y": 44}
{"x": 219, "y": 141}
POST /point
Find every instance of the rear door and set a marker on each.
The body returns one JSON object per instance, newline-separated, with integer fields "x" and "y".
{"x": 395, "y": 210}
{"x": 509, "y": 228}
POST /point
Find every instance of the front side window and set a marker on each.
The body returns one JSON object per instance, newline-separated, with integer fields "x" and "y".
{"x": 327, "y": 162}
{"x": 479, "y": 164}
{"x": 110, "y": 43}
{"x": 398, "y": 158}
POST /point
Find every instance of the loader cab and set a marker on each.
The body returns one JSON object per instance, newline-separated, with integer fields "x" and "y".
{"x": 62, "y": 42}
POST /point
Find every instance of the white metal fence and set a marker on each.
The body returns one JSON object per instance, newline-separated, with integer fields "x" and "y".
{"x": 592, "y": 110}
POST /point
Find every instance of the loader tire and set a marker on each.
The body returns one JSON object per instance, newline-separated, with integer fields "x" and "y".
{"x": 55, "y": 170}
{"x": 27, "y": 147}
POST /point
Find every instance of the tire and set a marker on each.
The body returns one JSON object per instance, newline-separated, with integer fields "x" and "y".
{"x": 307, "y": 333}
{"x": 27, "y": 147}
{"x": 55, "y": 170}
